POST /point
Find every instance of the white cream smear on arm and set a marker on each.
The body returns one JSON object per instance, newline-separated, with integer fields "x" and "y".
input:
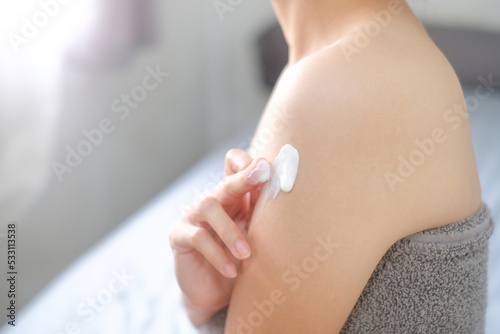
{"x": 283, "y": 173}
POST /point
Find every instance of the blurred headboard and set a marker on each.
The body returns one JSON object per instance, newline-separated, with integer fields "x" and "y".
{"x": 471, "y": 53}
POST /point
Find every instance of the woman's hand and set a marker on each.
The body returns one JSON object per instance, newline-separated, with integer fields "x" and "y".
{"x": 209, "y": 242}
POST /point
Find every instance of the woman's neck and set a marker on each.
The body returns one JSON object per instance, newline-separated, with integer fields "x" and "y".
{"x": 311, "y": 25}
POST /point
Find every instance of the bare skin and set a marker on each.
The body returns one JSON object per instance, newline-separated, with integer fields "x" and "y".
{"x": 350, "y": 121}
{"x": 350, "y": 118}
{"x": 209, "y": 241}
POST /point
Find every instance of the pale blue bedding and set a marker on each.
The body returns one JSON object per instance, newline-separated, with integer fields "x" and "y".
{"x": 126, "y": 284}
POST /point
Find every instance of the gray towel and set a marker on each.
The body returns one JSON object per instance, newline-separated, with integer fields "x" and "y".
{"x": 433, "y": 281}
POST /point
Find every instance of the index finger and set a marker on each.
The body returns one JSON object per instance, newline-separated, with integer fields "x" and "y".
{"x": 236, "y": 161}
{"x": 237, "y": 185}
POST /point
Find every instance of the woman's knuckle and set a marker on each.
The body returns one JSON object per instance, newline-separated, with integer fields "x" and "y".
{"x": 199, "y": 236}
{"x": 226, "y": 233}
{"x": 231, "y": 154}
{"x": 173, "y": 232}
{"x": 208, "y": 203}
{"x": 228, "y": 187}
{"x": 225, "y": 183}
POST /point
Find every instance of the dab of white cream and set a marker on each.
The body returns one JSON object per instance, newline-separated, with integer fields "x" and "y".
{"x": 283, "y": 172}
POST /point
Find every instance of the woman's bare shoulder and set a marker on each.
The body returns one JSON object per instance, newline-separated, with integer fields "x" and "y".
{"x": 378, "y": 146}
{"x": 397, "y": 117}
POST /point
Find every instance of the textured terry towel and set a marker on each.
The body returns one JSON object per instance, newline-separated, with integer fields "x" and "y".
{"x": 433, "y": 281}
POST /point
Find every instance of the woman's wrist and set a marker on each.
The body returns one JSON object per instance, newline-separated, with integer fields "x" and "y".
{"x": 198, "y": 316}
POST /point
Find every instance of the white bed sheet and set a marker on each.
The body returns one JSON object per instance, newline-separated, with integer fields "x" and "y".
{"x": 149, "y": 303}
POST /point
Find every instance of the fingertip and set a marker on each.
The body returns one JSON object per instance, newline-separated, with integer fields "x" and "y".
{"x": 230, "y": 270}
{"x": 242, "y": 248}
{"x": 261, "y": 173}
{"x": 246, "y": 256}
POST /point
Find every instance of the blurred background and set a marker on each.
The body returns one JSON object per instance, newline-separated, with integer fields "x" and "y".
{"x": 104, "y": 103}
{"x": 65, "y": 79}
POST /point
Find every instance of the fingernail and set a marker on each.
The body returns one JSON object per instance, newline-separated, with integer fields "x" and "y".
{"x": 242, "y": 248}
{"x": 230, "y": 270}
{"x": 261, "y": 173}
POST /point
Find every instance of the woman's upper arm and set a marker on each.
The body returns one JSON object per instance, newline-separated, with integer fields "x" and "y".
{"x": 312, "y": 254}
{"x": 314, "y": 249}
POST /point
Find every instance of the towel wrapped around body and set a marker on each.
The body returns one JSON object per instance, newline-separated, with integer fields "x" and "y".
{"x": 433, "y": 281}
